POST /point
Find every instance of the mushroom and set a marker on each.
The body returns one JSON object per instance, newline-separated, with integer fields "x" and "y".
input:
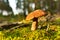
{"x": 34, "y": 15}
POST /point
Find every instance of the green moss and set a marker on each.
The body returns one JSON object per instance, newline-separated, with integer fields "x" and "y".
{"x": 24, "y": 33}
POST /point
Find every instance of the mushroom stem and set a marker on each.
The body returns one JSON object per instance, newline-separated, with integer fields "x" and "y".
{"x": 34, "y": 24}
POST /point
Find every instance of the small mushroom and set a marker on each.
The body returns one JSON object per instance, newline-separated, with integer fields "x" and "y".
{"x": 34, "y": 15}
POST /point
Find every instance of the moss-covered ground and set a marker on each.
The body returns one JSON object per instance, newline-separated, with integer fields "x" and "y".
{"x": 24, "y": 33}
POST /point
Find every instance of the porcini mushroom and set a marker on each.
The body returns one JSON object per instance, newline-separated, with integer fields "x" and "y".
{"x": 34, "y": 15}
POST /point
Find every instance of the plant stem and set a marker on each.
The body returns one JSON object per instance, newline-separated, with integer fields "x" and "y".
{"x": 34, "y": 24}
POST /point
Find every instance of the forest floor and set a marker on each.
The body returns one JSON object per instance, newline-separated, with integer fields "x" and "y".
{"x": 23, "y": 32}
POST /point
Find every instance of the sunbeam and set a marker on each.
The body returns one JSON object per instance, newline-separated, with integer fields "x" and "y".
{"x": 12, "y": 4}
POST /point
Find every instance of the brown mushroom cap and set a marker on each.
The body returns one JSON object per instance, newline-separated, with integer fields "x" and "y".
{"x": 35, "y": 14}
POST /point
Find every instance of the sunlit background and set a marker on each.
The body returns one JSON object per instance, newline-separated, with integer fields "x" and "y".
{"x": 13, "y": 5}
{"x": 24, "y": 6}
